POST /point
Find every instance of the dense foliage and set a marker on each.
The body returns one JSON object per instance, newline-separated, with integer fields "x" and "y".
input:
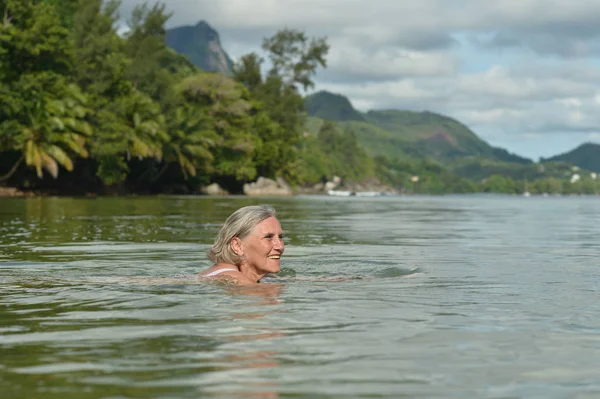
{"x": 86, "y": 109}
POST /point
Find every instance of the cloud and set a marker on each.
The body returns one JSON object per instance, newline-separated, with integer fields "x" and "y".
{"x": 510, "y": 99}
{"x": 561, "y": 27}
{"x": 349, "y": 62}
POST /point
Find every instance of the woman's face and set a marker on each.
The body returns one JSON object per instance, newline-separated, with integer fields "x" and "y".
{"x": 263, "y": 247}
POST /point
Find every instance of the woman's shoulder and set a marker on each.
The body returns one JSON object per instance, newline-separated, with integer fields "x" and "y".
{"x": 219, "y": 269}
{"x": 225, "y": 272}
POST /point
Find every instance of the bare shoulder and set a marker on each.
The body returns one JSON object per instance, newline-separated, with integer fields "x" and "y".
{"x": 233, "y": 278}
{"x": 225, "y": 273}
{"x": 240, "y": 279}
{"x": 217, "y": 269}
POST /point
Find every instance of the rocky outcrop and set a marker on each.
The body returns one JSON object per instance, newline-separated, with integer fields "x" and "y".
{"x": 11, "y": 192}
{"x": 214, "y": 189}
{"x": 201, "y": 45}
{"x": 268, "y": 188}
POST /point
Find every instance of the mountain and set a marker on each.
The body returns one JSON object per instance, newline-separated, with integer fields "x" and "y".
{"x": 586, "y": 156}
{"x": 330, "y": 106}
{"x": 201, "y": 45}
{"x": 396, "y": 132}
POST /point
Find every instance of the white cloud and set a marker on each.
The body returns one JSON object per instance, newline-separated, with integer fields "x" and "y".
{"x": 349, "y": 62}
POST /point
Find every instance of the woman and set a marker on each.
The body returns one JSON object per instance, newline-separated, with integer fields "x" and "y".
{"x": 248, "y": 246}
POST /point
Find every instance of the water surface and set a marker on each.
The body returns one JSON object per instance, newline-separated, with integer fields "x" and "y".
{"x": 453, "y": 297}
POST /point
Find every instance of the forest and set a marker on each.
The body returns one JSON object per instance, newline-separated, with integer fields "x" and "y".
{"x": 85, "y": 108}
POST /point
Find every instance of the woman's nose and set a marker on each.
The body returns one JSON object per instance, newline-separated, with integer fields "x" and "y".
{"x": 279, "y": 243}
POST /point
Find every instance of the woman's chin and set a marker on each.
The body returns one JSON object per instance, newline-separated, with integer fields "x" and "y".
{"x": 275, "y": 270}
{"x": 273, "y": 267}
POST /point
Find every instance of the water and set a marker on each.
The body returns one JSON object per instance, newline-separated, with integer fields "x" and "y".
{"x": 453, "y": 297}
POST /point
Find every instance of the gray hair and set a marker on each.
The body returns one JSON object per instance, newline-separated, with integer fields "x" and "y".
{"x": 239, "y": 224}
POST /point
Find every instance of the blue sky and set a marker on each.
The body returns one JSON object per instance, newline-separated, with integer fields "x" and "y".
{"x": 522, "y": 74}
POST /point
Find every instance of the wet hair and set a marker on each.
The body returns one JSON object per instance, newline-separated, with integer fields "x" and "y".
{"x": 239, "y": 224}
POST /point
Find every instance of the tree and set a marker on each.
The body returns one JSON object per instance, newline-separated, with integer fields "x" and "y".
{"x": 100, "y": 52}
{"x": 500, "y": 184}
{"x": 294, "y": 60}
{"x": 146, "y": 48}
{"x": 247, "y": 72}
{"x": 294, "y": 57}
{"x": 130, "y": 127}
{"x": 191, "y": 141}
{"x": 342, "y": 154}
{"x": 66, "y": 10}
{"x": 32, "y": 40}
{"x": 41, "y": 114}
{"x": 223, "y": 124}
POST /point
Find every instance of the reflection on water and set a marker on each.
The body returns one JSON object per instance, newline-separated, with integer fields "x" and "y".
{"x": 378, "y": 297}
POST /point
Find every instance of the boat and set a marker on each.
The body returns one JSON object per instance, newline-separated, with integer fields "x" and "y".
{"x": 340, "y": 193}
{"x": 526, "y": 192}
{"x": 368, "y": 193}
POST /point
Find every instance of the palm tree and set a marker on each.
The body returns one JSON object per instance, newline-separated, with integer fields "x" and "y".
{"x": 53, "y": 129}
{"x": 222, "y": 122}
{"x": 132, "y": 126}
{"x": 190, "y": 143}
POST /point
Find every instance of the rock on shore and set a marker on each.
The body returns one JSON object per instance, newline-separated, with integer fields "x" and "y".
{"x": 214, "y": 189}
{"x": 268, "y": 187}
{"x": 11, "y": 192}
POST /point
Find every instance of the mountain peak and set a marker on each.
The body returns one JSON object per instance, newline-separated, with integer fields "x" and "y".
{"x": 204, "y": 27}
{"x": 201, "y": 45}
{"x": 203, "y": 23}
{"x": 586, "y": 156}
{"x": 331, "y": 106}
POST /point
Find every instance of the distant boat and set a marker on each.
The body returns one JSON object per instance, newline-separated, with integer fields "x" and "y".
{"x": 368, "y": 193}
{"x": 340, "y": 193}
{"x": 526, "y": 192}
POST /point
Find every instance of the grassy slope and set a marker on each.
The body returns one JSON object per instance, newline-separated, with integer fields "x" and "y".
{"x": 433, "y": 135}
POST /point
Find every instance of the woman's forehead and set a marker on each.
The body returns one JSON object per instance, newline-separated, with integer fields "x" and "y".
{"x": 270, "y": 223}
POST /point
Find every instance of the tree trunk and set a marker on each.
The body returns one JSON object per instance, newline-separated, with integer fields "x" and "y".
{"x": 162, "y": 171}
{"x": 12, "y": 171}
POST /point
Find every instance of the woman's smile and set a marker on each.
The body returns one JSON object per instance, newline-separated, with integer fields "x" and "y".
{"x": 264, "y": 246}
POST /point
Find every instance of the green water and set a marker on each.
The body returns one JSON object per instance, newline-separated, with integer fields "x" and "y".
{"x": 379, "y": 297}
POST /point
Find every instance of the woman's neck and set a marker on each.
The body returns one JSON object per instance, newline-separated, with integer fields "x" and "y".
{"x": 251, "y": 273}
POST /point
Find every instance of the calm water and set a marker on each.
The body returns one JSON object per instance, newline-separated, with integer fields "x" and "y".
{"x": 453, "y": 297}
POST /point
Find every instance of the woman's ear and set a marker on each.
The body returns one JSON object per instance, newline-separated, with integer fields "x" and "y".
{"x": 236, "y": 246}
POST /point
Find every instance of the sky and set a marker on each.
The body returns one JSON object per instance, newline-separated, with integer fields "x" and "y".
{"x": 524, "y": 75}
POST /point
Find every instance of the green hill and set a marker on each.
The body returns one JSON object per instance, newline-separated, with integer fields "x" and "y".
{"x": 586, "y": 156}
{"x": 201, "y": 45}
{"x": 438, "y": 136}
{"x": 375, "y": 140}
{"x": 332, "y": 107}
{"x": 394, "y": 132}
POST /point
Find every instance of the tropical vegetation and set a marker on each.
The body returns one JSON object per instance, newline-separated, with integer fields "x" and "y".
{"x": 87, "y": 109}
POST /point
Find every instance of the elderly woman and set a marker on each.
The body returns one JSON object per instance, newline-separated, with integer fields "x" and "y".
{"x": 248, "y": 246}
